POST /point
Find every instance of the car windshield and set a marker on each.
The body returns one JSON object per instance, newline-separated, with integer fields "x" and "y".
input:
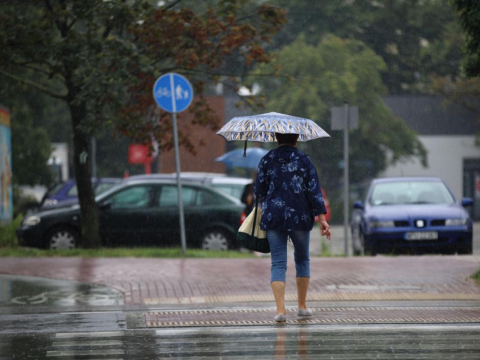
{"x": 410, "y": 192}
{"x": 100, "y": 189}
{"x": 56, "y": 189}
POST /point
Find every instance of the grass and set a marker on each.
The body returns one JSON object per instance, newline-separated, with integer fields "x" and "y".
{"x": 8, "y": 237}
{"x": 163, "y": 253}
{"x": 476, "y": 277}
{"x": 326, "y": 251}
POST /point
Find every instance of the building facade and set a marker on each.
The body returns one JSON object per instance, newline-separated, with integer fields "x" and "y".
{"x": 449, "y": 134}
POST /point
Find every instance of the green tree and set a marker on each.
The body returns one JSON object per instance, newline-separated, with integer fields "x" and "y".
{"x": 31, "y": 146}
{"x": 469, "y": 13}
{"x": 463, "y": 92}
{"x": 101, "y": 58}
{"x": 337, "y": 70}
{"x": 400, "y": 31}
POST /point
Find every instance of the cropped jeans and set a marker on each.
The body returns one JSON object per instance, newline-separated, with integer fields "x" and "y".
{"x": 278, "y": 247}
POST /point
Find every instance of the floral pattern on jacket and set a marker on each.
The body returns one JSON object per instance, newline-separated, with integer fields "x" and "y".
{"x": 287, "y": 183}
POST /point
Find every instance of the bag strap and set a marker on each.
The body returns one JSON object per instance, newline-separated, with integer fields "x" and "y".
{"x": 255, "y": 216}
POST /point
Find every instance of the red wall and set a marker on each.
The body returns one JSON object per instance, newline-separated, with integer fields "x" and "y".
{"x": 214, "y": 145}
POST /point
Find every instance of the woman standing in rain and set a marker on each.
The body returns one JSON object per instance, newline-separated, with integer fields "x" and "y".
{"x": 288, "y": 186}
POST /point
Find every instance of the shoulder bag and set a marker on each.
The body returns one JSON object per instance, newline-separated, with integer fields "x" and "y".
{"x": 250, "y": 236}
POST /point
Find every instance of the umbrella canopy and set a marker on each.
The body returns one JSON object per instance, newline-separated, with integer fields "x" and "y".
{"x": 235, "y": 158}
{"x": 263, "y": 127}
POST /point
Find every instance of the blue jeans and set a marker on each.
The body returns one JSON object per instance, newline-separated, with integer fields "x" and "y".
{"x": 278, "y": 247}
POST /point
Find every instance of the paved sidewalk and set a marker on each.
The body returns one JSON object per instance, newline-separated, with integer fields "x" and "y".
{"x": 177, "y": 281}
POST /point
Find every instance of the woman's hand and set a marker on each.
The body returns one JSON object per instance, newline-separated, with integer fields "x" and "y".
{"x": 324, "y": 227}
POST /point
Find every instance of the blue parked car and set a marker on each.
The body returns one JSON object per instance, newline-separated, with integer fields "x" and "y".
{"x": 66, "y": 193}
{"x": 411, "y": 214}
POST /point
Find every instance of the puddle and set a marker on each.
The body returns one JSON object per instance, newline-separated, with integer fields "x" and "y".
{"x": 33, "y": 291}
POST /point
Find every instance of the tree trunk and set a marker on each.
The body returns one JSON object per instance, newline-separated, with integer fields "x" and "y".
{"x": 83, "y": 174}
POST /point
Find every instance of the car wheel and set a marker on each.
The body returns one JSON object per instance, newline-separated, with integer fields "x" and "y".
{"x": 357, "y": 243}
{"x": 465, "y": 249}
{"x": 216, "y": 239}
{"x": 62, "y": 238}
{"x": 370, "y": 250}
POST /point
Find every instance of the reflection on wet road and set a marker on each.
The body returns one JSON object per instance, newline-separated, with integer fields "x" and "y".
{"x": 275, "y": 342}
{"x": 31, "y": 291}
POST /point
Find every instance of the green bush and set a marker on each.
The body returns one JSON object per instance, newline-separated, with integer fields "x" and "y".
{"x": 8, "y": 238}
{"x": 476, "y": 276}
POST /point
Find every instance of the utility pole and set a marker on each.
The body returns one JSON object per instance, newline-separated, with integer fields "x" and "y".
{"x": 346, "y": 174}
{"x": 345, "y": 118}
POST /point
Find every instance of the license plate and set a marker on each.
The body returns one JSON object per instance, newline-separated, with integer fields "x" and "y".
{"x": 422, "y": 235}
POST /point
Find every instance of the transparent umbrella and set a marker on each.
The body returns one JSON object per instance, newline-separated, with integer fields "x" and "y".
{"x": 262, "y": 128}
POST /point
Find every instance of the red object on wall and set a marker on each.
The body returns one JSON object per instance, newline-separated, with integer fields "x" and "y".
{"x": 138, "y": 154}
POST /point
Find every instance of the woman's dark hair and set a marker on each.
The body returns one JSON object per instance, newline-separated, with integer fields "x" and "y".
{"x": 286, "y": 139}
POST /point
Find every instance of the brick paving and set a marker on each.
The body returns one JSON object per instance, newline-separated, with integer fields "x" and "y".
{"x": 187, "y": 280}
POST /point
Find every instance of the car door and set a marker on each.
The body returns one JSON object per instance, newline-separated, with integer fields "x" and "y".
{"x": 125, "y": 216}
{"x": 167, "y": 213}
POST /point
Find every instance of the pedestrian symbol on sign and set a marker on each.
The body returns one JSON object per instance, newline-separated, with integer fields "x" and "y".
{"x": 180, "y": 93}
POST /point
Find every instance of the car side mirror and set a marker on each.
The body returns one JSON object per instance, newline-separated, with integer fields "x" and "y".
{"x": 105, "y": 206}
{"x": 358, "y": 205}
{"x": 467, "y": 202}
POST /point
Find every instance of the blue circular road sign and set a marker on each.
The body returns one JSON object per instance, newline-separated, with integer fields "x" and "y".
{"x": 173, "y": 92}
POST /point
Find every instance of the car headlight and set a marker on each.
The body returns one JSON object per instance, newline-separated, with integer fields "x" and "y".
{"x": 455, "y": 222}
{"x": 50, "y": 202}
{"x": 381, "y": 224}
{"x": 32, "y": 221}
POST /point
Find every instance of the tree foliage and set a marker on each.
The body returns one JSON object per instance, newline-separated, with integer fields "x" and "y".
{"x": 328, "y": 74}
{"x": 102, "y": 57}
{"x": 403, "y": 33}
{"x": 469, "y": 13}
{"x": 31, "y": 146}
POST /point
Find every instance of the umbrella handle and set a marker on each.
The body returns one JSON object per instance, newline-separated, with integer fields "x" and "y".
{"x": 245, "y": 149}
{"x": 255, "y": 216}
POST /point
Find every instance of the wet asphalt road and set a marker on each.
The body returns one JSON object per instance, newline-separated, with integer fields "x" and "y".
{"x": 274, "y": 342}
{"x": 78, "y": 321}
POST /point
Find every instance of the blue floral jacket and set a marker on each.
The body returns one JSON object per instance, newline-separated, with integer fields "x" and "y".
{"x": 287, "y": 182}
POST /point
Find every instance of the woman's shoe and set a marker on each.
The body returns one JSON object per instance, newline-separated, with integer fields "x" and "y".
{"x": 304, "y": 312}
{"x": 280, "y": 318}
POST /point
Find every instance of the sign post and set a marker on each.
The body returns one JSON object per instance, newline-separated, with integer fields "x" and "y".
{"x": 174, "y": 93}
{"x": 345, "y": 118}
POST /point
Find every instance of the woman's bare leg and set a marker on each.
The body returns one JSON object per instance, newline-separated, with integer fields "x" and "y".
{"x": 302, "y": 287}
{"x": 278, "y": 288}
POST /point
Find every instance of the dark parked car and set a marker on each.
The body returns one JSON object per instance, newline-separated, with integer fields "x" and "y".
{"x": 66, "y": 193}
{"x": 234, "y": 186}
{"x": 411, "y": 213}
{"x": 143, "y": 212}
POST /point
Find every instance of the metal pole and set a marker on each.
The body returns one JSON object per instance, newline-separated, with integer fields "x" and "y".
{"x": 345, "y": 176}
{"x": 177, "y": 165}
{"x": 94, "y": 157}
